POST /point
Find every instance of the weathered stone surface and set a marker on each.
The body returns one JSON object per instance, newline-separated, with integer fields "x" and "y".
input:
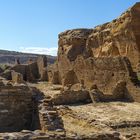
{"x": 17, "y": 77}
{"x": 70, "y": 78}
{"x": 42, "y": 67}
{"x": 15, "y": 108}
{"x": 38, "y": 135}
{"x": 95, "y": 94}
{"x": 71, "y": 94}
{"x": 117, "y": 115}
{"x": 71, "y": 97}
{"x": 117, "y": 38}
{"x": 104, "y": 72}
{"x": 31, "y": 72}
{"x": 53, "y": 74}
{"x": 49, "y": 117}
{"x": 86, "y": 58}
{"x": 103, "y": 56}
{"x": 119, "y": 93}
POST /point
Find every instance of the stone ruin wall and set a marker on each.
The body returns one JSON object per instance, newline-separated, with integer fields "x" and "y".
{"x": 50, "y": 119}
{"x": 24, "y": 108}
{"x": 31, "y": 72}
{"x": 103, "y": 55}
{"x": 42, "y": 68}
{"x": 15, "y": 108}
{"x": 104, "y": 72}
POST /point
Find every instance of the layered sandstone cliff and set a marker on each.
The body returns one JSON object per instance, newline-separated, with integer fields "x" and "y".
{"x": 103, "y": 55}
{"x": 121, "y": 37}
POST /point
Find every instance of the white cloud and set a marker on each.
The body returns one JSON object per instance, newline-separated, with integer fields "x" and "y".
{"x": 39, "y": 50}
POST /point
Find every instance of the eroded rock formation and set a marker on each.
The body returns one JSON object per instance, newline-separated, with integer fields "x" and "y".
{"x": 117, "y": 38}
{"x": 103, "y": 56}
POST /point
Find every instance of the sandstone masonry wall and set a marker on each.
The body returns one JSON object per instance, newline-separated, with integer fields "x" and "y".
{"x": 15, "y": 108}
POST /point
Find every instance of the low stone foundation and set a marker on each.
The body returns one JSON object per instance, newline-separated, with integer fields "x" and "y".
{"x": 49, "y": 116}
{"x": 71, "y": 97}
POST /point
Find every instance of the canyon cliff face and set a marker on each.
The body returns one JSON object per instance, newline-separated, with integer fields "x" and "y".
{"x": 121, "y": 37}
{"x": 103, "y": 55}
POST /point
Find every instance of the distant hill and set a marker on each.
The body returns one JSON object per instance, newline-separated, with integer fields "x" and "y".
{"x": 10, "y": 57}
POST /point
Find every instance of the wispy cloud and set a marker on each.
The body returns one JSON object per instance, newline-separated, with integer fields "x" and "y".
{"x": 39, "y": 50}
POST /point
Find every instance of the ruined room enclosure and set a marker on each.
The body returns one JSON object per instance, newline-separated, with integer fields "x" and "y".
{"x": 26, "y": 108}
{"x": 29, "y": 109}
{"x": 18, "y": 109}
{"x": 84, "y": 118}
{"x": 93, "y": 65}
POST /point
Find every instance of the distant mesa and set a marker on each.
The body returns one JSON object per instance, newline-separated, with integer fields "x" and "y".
{"x": 9, "y": 57}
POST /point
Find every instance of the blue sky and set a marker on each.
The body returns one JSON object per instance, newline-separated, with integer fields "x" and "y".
{"x": 33, "y": 25}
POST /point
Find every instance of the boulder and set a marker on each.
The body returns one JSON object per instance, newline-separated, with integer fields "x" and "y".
{"x": 53, "y": 74}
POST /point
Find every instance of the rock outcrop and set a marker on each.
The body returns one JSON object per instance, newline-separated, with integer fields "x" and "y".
{"x": 103, "y": 56}
{"x": 117, "y": 38}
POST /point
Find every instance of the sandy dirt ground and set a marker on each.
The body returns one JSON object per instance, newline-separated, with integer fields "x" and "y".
{"x": 85, "y": 119}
